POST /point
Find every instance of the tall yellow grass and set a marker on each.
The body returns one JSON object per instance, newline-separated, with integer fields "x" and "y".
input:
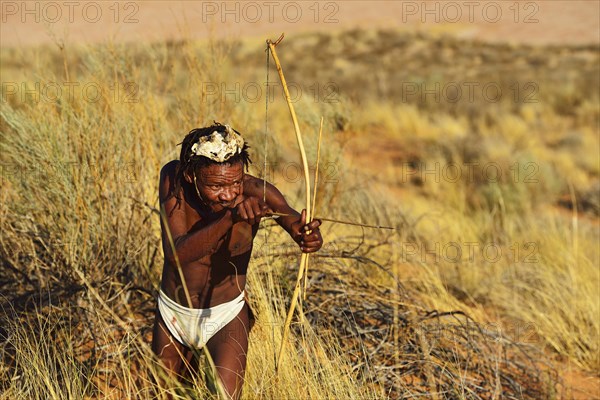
{"x": 80, "y": 247}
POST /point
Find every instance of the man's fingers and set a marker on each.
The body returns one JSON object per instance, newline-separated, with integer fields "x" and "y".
{"x": 241, "y": 210}
{"x": 250, "y": 213}
{"x": 314, "y": 224}
{"x": 238, "y": 200}
{"x": 265, "y": 209}
{"x": 308, "y": 249}
{"x": 317, "y": 244}
{"x": 259, "y": 210}
{"x": 314, "y": 234}
{"x": 311, "y": 243}
{"x": 251, "y": 210}
{"x": 311, "y": 239}
{"x": 311, "y": 226}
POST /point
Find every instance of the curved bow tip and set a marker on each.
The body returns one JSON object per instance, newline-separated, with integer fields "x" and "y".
{"x": 275, "y": 43}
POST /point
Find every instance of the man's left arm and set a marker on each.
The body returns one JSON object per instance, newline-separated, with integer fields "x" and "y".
{"x": 308, "y": 236}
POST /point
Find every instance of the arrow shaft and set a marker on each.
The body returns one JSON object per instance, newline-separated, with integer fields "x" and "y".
{"x": 276, "y": 214}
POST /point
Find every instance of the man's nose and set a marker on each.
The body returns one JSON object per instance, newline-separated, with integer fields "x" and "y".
{"x": 227, "y": 195}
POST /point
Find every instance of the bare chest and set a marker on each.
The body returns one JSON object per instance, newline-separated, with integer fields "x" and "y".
{"x": 237, "y": 240}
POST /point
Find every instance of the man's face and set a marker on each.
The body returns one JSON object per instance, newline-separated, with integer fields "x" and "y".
{"x": 220, "y": 184}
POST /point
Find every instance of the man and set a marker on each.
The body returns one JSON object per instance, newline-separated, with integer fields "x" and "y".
{"x": 213, "y": 209}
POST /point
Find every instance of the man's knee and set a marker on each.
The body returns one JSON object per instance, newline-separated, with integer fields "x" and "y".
{"x": 171, "y": 355}
{"x": 231, "y": 379}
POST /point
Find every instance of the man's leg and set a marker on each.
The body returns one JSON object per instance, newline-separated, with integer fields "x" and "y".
{"x": 228, "y": 348}
{"x": 168, "y": 350}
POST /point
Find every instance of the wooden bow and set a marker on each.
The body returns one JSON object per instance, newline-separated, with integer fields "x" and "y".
{"x": 303, "y": 268}
{"x": 304, "y": 258}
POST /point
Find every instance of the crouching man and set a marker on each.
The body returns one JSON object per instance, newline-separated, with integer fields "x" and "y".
{"x": 213, "y": 209}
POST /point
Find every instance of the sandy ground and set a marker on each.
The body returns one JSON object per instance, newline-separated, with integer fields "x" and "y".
{"x": 534, "y": 22}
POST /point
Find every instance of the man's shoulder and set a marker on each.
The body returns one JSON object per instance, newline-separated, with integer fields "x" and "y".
{"x": 253, "y": 185}
{"x": 167, "y": 179}
{"x": 258, "y": 187}
{"x": 251, "y": 179}
{"x": 169, "y": 168}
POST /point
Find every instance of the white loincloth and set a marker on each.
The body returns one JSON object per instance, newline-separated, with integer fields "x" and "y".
{"x": 193, "y": 327}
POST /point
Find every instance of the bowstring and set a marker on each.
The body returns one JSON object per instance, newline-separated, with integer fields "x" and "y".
{"x": 265, "y": 183}
{"x": 266, "y": 130}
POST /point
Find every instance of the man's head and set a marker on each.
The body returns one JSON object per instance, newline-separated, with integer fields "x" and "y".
{"x": 213, "y": 160}
{"x": 217, "y": 186}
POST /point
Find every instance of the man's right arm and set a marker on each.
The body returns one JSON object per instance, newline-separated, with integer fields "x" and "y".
{"x": 189, "y": 246}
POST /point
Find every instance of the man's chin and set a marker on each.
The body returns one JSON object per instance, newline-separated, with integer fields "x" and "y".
{"x": 218, "y": 208}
